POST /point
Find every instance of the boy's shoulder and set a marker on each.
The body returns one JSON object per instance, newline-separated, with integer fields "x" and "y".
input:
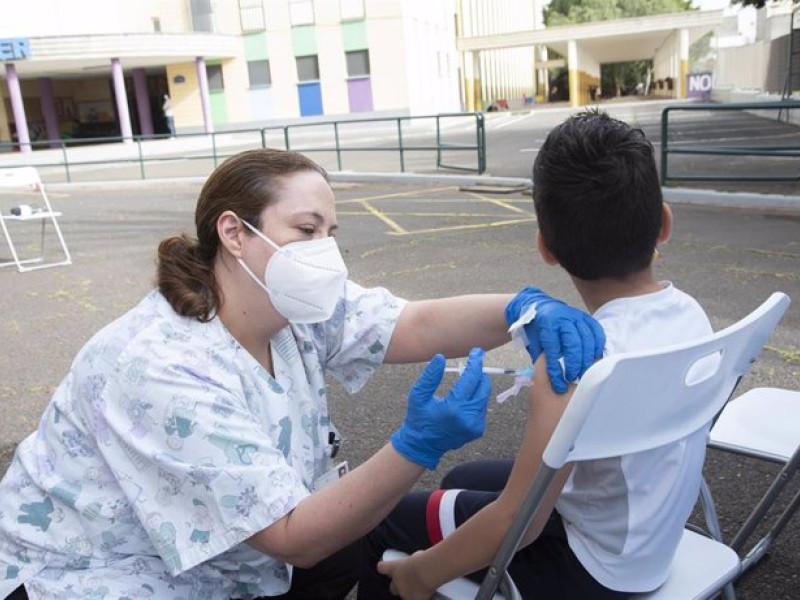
{"x": 668, "y": 316}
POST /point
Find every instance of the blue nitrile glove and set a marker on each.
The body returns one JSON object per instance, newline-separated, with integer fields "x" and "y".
{"x": 558, "y": 330}
{"x": 435, "y": 425}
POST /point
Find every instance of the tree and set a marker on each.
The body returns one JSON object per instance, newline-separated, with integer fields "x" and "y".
{"x": 756, "y": 3}
{"x": 617, "y": 76}
{"x": 563, "y": 12}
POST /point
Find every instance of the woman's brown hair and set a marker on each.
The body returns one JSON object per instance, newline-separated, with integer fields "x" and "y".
{"x": 245, "y": 184}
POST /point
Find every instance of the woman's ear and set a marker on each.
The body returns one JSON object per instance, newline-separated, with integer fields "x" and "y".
{"x": 230, "y": 231}
{"x": 666, "y": 224}
{"x": 544, "y": 250}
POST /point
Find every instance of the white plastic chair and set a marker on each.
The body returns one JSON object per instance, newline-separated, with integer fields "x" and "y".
{"x": 609, "y": 415}
{"x": 28, "y": 178}
{"x": 764, "y": 424}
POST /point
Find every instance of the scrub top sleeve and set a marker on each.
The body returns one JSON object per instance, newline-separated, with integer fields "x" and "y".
{"x": 357, "y": 336}
{"x": 200, "y": 471}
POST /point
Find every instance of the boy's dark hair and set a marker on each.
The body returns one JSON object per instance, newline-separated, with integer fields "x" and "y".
{"x": 597, "y": 197}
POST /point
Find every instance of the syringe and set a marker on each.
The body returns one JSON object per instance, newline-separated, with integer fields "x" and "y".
{"x": 523, "y": 372}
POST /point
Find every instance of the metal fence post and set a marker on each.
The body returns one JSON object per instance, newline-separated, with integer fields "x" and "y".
{"x": 481, "y": 129}
{"x": 286, "y": 136}
{"x": 400, "y": 145}
{"x": 66, "y": 161}
{"x": 438, "y": 143}
{"x": 664, "y": 144}
{"x": 338, "y": 149}
{"x": 214, "y": 147}
{"x": 141, "y": 160}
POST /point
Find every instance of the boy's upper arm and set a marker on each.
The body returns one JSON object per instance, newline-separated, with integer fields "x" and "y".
{"x": 545, "y": 408}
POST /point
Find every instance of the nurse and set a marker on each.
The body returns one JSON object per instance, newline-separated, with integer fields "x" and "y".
{"x": 188, "y": 451}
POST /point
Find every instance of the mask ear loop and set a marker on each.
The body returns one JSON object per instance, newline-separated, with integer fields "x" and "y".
{"x": 258, "y": 281}
{"x": 259, "y": 234}
{"x": 253, "y": 276}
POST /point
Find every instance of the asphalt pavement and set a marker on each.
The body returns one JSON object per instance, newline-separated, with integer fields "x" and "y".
{"x": 421, "y": 240}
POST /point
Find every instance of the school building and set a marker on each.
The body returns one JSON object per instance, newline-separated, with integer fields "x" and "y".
{"x": 94, "y": 68}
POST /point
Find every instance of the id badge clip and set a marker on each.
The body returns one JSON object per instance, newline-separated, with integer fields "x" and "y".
{"x": 331, "y": 475}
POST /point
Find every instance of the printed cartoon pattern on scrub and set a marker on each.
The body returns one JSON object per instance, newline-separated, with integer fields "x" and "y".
{"x": 167, "y": 445}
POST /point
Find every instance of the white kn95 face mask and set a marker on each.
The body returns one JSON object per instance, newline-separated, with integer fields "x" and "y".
{"x": 304, "y": 280}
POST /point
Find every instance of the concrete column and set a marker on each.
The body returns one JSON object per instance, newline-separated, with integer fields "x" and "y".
{"x": 122, "y": 101}
{"x": 472, "y": 81}
{"x": 143, "y": 108}
{"x": 18, "y": 108}
{"x": 477, "y": 82}
{"x": 683, "y": 63}
{"x": 202, "y": 82}
{"x": 49, "y": 109}
{"x": 574, "y": 73}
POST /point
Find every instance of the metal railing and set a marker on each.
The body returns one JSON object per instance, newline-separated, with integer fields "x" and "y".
{"x": 726, "y": 150}
{"x": 219, "y": 145}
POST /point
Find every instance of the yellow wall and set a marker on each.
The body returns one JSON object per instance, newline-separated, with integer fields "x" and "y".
{"x": 579, "y": 82}
{"x": 684, "y": 78}
{"x": 185, "y": 96}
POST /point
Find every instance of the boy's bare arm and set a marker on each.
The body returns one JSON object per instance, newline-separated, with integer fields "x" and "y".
{"x": 473, "y": 545}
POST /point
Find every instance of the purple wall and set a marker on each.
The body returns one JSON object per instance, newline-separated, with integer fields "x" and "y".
{"x": 359, "y": 92}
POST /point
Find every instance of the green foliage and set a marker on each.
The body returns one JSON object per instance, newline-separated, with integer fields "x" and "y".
{"x": 756, "y": 3}
{"x": 564, "y": 12}
{"x": 700, "y": 57}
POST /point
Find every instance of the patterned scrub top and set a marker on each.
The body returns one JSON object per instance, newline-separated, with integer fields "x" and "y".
{"x": 167, "y": 445}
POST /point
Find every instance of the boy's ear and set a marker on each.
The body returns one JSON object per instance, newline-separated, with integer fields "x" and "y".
{"x": 666, "y": 224}
{"x": 544, "y": 250}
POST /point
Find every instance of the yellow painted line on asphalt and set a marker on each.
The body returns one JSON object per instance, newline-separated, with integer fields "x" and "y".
{"x": 500, "y": 203}
{"x": 378, "y": 214}
{"x": 464, "y": 227}
{"x": 395, "y": 195}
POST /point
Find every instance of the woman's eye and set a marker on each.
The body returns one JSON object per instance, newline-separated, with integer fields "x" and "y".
{"x": 307, "y": 230}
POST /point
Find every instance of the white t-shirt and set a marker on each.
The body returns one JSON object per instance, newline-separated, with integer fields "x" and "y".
{"x": 624, "y": 516}
{"x": 167, "y": 445}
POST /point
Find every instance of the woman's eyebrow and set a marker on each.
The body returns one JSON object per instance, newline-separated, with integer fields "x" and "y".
{"x": 316, "y": 216}
{"x": 310, "y": 213}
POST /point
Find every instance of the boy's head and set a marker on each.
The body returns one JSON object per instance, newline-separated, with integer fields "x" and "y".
{"x": 597, "y": 197}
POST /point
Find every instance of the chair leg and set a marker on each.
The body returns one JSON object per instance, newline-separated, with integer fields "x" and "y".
{"x": 758, "y": 551}
{"x": 766, "y": 502}
{"x": 710, "y": 511}
{"x": 712, "y": 524}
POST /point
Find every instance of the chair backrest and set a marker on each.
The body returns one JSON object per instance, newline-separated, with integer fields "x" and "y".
{"x": 19, "y": 177}
{"x": 637, "y": 401}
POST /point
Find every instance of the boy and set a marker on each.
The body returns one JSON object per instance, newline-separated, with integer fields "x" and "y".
{"x": 610, "y": 527}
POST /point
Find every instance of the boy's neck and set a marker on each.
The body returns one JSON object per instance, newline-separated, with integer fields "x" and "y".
{"x": 596, "y": 293}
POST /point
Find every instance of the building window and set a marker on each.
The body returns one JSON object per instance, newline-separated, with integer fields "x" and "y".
{"x": 202, "y": 15}
{"x": 301, "y": 12}
{"x": 307, "y": 68}
{"x": 251, "y": 15}
{"x": 357, "y": 63}
{"x": 259, "y": 74}
{"x": 214, "y": 74}
{"x": 351, "y": 10}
